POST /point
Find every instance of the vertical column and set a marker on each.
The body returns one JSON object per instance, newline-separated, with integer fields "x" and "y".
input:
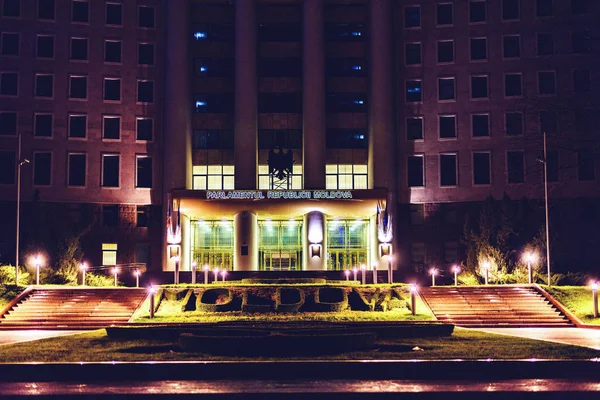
{"x": 245, "y": 241}
{"x": 245, "y": 123}
{"x": 314, "y": 236}
{"x": 313, "y": 96}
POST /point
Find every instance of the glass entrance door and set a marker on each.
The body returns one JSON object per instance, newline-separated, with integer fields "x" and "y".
{"x": 347, "y": 244}
{"x": 280, "y": 245}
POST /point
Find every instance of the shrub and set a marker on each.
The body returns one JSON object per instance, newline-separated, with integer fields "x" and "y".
{"x": 468, "y": 278}
{"x": 98, "y": 280}
{"x": 289, "y": 299}
{"x": 7, "y": 275}
{"x": 331, "y": 299}
{"x": 215, "y": 300}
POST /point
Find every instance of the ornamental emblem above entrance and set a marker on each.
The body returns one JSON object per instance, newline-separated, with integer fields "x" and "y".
{"x": 281, "y": 163}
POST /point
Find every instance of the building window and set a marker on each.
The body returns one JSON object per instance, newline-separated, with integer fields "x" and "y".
{"x": 78, "y": 87}
{"x": 77, "y": 169}
{"x": 215, "y": 103}
{"x": 146, "y": 53}
{"x": 284, "y": 102}
{"x": 417, "y": 214}
{"x": 412, "y": 17}
{"x": 478, "y": 49}
{"x": 586, "y": 169}
{"x": 581, "y": 42}
{"x": 42, "y": 125}
{"x": 413, "y": 53}
{"x": 445, "y": 50}
{"x": 545, "y": 44}
{"x": 480, "y": 125}
{"x": 8, "y": 166}
{"x": 447, "y": 126}
{"x": 44, "y": 86}
{"x": 77, "y": 126}
{"x": 546, "y": 82}
{"x": 10, "y": 44}
{"x": 223, "y": 139}
{"x": 109, "y": 254}
{"x": 481, "y": 169}
{"x": 584, "y": 121}
{"x": 413, "y": 91}
{"x": 146, "y": 17}
{"x": 544, "y": 8}
{"x": 111, "y": 127}
{"x": 292, "y": 32}
{"x": 8, "y": 123}
{"x": 79, "y": 49}
{"x": 448, "y": 170}
{"x": 346, "y": 102}
{"x": 142, "y": 216}
{"x": 510, "y": 10}
{"x": 548, "y": 121}
{"x": 417, "y": 253}
{"x": 513, "y": 86}
{"x": 111, "y": 165}
{"x": 45, "y": 11}
{"x": 514, "y": 123}
{"x": 414, "y": 128}
{"x": 265, "y": 181}
{"x": 44, "y": 46}
{"x": 445, "y": 14}
{"x": 9, "y": 83}
{"x": 80, "y": 12}
{"x": 345, "y": 139}
{"x": 112, "y": 89}
{"x": 142, "y": 254}
{"x": 346, "y": 176}
{"x": 213, "y": 177}
{"x": 580, "y": 7}
{"x": 416, "y": 170}
{"x": 446, "y": 89}
{"x": 479, "y": 87}
{"x": 267, "y": 139}
{"x": 143, "y": 172}
{"x": 11, "y": 8}
{"x": 511, "y": 46}
{"x": 552, "y": 166}
{"x": 515, "y": 165}
{"x": 333, "y": 32}
{"x": 144, "y": 129}
{"x": 346, "y": 67}
{"x": 477, "y": 11}
{"x": 219, "y": 32}
{"x": 42, "y": 167}
{"x": 145, "y": 91}
{"x": 267, "y": 67}
{"x": 581, "y": 81}
{"x": 112, "y": 51}
{"x": 114, "y": 14}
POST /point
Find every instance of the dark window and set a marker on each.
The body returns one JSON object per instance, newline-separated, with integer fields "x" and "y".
{"x": 544, "y": 8}
{"x": 346, "y": 102}
{"x": 479, "y": 87}
{"x": 581, "y": 42}
{"x": 223, "y": 67}
{"x": 274, "y": 138}
{"x": 481, "y": 125}
{"x": 11, "y": 8}
{"x": 280, "y": 102}
{"x": 448, "y": 170}
{"x": 446, "y": 89}
{"x": 417, "y": 252}
{"x": 79, "y": 49}
{"x": 415, "y": 171}
{"x": 478, "y": 49}
{"x": 42, "y": 165}
{"x": 581, "y": 81}
{"x": 477, "y": 11}
{"x": 414, "y": 128}
{"x": 142, "y": 251}
{"x": 78, "y": 87}
{"x": 44, "y": 46}
{"x": 445, "y": 51}
{"x": 584, "y": 121}
{"x": 110, "y": 215}
{"x": 213, "y": 32}
{"x": 146, "y": 53}
{"x": 586, "y": 169}
{"x": 111, "y": 127}
{"x": 413, "y": 53}
{"x": 510, "y": 10}
{"x": 412, "y": 17}
{"x": 413, "y": 91}
{"x": 112, "y": 89}
{"x": 481, "y": 168}
{"x": 77, "y": 167}
{"x": 552, "y": 167}
{"x": 511, "y": 46}
{"x": 546, "y": 82}
{"x": 44, "y": 86}
{"x": 145, "y": 17}
{"x": 580, "y": 7}
{"x": 77, "y": 126}
{"x": 278, "y": 32}
{"x": 10, "y": 44}
{"x": 110, "y": 170}
{"x": 344, "y": 32}
{"x": 81, "y": 12}
{"x": 8, "y": 123}
{"x": 142, "y": 220}
{"x": 145, "y": 92}
{"x": 548, "y": 122}
{"x": 144, "y": 172}
{"x": 347, "y": 139}
{"x": 144, "y": 129}
{"x": 545, "y": 44}
{"x": 112, "y": 51}
{"x": 515, "y": 165}
{"x": 347, "y": 67}
{"x": 43, "y": 125}
{"x": 8, "y": 164}
{"x": 219, "y": 139}
{"x": 417, "y": 214}
{"x": 46, "y": 9}
{"x": 445, "y": 14}
{"x": 213, "y": 103}
{"x": 447, "y": 126}
{"x": 269, "y": 67}
{"x": 9, "y": 82}
{"x": 512, "y": 85}
{"x": 114, "y": 14}
{"x": 514, "y": 123}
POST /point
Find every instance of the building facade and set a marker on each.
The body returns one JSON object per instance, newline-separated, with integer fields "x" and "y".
{"x": 163, "y": 114}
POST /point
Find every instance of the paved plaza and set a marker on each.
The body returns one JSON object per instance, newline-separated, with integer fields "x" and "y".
{"x": 575, "y": 336}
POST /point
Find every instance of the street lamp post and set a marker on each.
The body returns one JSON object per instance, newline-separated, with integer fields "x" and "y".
{"x": 115, "y": 273}
{"x": 223, "y": 275}
{"x": 37, "y": 270}
{"x": 390, "y": 273}
{"x": 433, "y": 271}
{"x": 137, "y": 278}
{"x": 456, "y": 270}
{"x": 152, "y": 291}
{"x": 20, "y": 163}
{"x": 363, "y": 270}
{"x": 545, "y": 162}
{"x": 355, "y": 271}
{"x": 347, "y": 273}
{"x": 486, "y": 267}
{"x": 374, "y": 274}
{"x": 216, "y": 272}
{"x": 194, "y": 267}
{"x": 413, "y": 300}
{"x": 206, "y": 269}
{"x": 595, "y": 298}
{"x": 529, "y": 257}
{"x": 82, "y": 267}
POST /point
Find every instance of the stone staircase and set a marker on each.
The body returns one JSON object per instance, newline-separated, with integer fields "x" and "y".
{"x": 493, "y": 306}
{"x": 73, "y": 308}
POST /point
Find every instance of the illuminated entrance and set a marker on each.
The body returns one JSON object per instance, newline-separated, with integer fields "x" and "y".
{"x": 212, "y": 244}
{"x": 347, "y": 244}
{"x": 280, "y": 245}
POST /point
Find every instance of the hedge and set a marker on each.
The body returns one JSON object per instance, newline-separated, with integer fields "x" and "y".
{"x": 215, "y": 300}
{"x": 331, "y": 299}
{"x": 289, "y": 299}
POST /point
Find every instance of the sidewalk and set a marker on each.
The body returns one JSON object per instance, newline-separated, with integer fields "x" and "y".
{"x": 575, "y": 336}
{"x": 9, "y": 337}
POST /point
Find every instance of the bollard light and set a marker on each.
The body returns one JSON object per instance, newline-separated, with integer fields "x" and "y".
{"x": 390, "y": 272}
{"x": 152, "y": 292}
{"x": 530, "y": 258}
{"x": 456, "y": 270}
{"x": 82, "y": 267}
{"x": 206, "y": 269}
{"x": 38, "y": 262}
{"x": 115, "y": 272}
{"x": 223, "y": 275}
{"x": 194, "y": 268}
{"x": 137, "y": 274}
{"x": 216, "y": 272}
{"x": 347, "y": 273}
{"x": 374, "y": 274}
{"x": 486, "y": 266}
{"x": 363, "y": 270}
{"x": 595, "y": 298}
{"x": 413, "y": 299}
{"x": 433, "y": 272}
{"x": 355, "y": 271}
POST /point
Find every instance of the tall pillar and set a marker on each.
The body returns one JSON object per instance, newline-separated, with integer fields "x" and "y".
{"x": 314, "y": 235}
{"x": 246, "y": 96}
{"x": 245, "y": 241}
{"x": 314, "y": 121}
{"x": 186, "y": 244}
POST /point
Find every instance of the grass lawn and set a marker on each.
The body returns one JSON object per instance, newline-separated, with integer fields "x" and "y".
{"x": 463, "y": 344}
{"x": 577, "y": 299}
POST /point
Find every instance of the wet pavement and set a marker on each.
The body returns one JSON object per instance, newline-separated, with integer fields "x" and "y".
{"x": 575, "y": 336}
{"x": 9, "y": 337}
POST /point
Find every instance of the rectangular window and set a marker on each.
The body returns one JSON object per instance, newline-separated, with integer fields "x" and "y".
{"x": 77, "y": 169}
{"x": 414, "y": 128}
{"x": 346, "y": 176}
{"x": 112, "y": 89}
{"x": 10, "y": 44}
{"x": 142, "y": 217}
{"x": 412, "y": 17}
{"x": 79, "y": 49}
{"x": 266, "y": 181}
{"x": 9, "y": 83}
{"x": 446, "y": 89}
{"x": 146, "y": 53}
{"x": 447, "y": 126}
{"x": 77, "y": 87}
{"x": 144, "y": 129}
{"x": 114, "y": 14}
{"x": 112, "y": 51}
{"x": 292, "y": 102}
{"x": 416, "y": 171}
{"x": 44, "y": 46}
{"x": 480, "y": 124}
{"x": 513, "y": 85}
{"x": 445, "y": 14}
{"x": 110, "y": 215}
{"x": 346, "y": 102}
{"x": 109, "y": 254}
{"x": 445, "y": 51}
{"x": 413, "y": 91}
{"x": 511, "y": 46}
{"x": 42, "y": 167}
{"x": 144, "y": 172}
{"x": 514, "y": 123}
{"x": 581, "y": 42}
{"x": 213, "y": 177}
{"x": 42, "y": 125}
{"x": 448, "y": 168}
{"x": 413, "y": 53}
{"x": 546, "y": 82}
{"x": 267, "y": 139}
{"x": 478, "y": 49}
{"x": 8, "y": 166}
{"x": 481, "y": 169}
{"x": 80, "y": 12}
{"x": 334, "y": 32}
{"x": 145, "y": 91}
{"x": 111, "y": 164}
{"x": 581, "y": 81}
{"x": 548, "y": 121}
{"x": 11, "y": 8}
{"x": 44, "y": 86}
{"x": 545, "y": 44}
{"x": 111, "y": 127}
{"x": 146, "y": 17}
{"x": 552, "y": 166}
{"x": 336, "y": 139}
{"x": 45, "y": 11}
{"x": 586, "y": 169}
{"x": 417, "y": 253}
{"x": 584, "y": 121}
{"x": 479, "y": 87}
{"x": 417, "y": 214}
{"x": 510, "y": 10}
{"x": 544, "y": 8}
{"x": 8, "y": 123}
{"x": 580, "y": 7}
{"x": 292, "y": 67}
{"x": 477, "y": 11}
{"x": 216, "y": 103}
{"x": 515, "y": 165}
{"x": 77, "y": 126}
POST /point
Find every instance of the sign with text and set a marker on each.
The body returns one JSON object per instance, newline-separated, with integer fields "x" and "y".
{"x": 277, "y": 194}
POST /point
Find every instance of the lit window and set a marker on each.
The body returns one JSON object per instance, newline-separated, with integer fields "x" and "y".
{"x": 413, "y": 91}
{"x": 213, "y": 177}
{"x": 346, "y": 176}
{"x": 109, "y": 254}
